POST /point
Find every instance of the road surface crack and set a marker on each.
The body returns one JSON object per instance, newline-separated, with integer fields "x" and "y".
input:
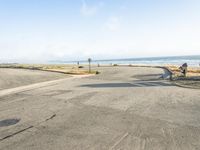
{"x": 20, "y": 131}
{"x": 54, "y": 115}
{"x": 11, "y": 135}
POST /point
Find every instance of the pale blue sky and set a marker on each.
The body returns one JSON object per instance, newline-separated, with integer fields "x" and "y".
{"x": 42, "y": 30}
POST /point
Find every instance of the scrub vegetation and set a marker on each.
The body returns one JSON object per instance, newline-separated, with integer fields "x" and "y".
{"x": 61, "y": 68}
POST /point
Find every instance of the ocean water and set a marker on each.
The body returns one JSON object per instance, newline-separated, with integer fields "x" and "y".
{"x": 175, "y": 60}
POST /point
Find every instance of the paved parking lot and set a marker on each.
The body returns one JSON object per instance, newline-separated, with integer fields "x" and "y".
{"x": 121, "y": 108}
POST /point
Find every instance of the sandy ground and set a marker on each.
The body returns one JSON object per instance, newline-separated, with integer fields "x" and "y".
{"x": 122, "y": 108}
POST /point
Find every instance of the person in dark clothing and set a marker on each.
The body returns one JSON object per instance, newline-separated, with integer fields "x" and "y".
{"x": 183, "y": 69}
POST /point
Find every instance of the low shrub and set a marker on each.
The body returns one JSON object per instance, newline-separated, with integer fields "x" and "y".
{"x": 97, "y": 72}
{"x": 80, "y": 67}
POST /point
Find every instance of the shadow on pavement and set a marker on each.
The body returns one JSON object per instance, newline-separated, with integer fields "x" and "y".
{"x": 119, "y": 85}
{"x": 152, "y": 77}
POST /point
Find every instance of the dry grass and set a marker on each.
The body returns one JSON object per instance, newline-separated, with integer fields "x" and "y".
{"x": 61, "y": 68}
{"x": 192, "y": 71}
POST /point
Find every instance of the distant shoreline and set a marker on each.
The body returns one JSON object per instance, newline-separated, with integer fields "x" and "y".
{"x": 192, "y": 60}
{"x": 152, "y": 61}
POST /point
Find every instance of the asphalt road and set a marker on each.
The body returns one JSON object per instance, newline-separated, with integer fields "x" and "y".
{"x": 122, "y": 108}
{"x": 10, "y": 78}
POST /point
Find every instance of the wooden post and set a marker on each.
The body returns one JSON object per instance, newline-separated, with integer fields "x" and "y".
{"x": 78, "y": 65}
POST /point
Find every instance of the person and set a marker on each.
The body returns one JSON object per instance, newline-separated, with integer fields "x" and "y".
{"x": 183, "y": 69}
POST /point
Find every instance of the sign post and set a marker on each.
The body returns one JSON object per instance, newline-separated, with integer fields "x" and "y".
{"x": 89, "y": 61}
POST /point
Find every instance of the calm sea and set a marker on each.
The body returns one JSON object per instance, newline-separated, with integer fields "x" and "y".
{"x": 175, "y": 60}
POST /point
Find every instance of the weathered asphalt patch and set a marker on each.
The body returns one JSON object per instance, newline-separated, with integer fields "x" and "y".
{"x": 8, "y": 122}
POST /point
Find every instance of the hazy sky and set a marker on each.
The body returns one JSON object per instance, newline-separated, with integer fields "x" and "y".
{"x": 41, "y": 30}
